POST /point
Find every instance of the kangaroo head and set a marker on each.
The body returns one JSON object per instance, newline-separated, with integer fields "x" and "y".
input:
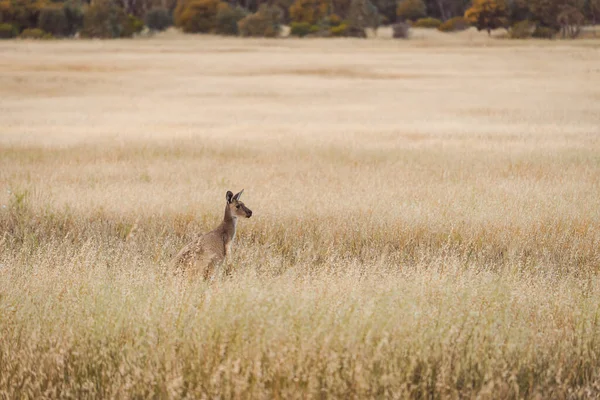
{"x": 237, "y": 208}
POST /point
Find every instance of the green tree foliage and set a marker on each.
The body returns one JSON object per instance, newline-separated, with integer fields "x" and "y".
{"x": 445, "y": 9}
{"x": 411, "y": 10}
{"x": 266, "y": 22}
{"x": 570, "y": 20}
{"x": 341, "y": 8}
{"x": 487, "y": 14}
{"x": 309, "y": 11}
{"x": 54, "y": 21}
{"x": 158, "y": 19}
{"x": 196, "y": 16}
{"x": 387, "y": 9}
{"x": 547, "y": 12}
{"x": 22, "y": 14}
{"x": 363, "y": 14}
{"x": 74, "y": 14}
{"x": 592, "y": 10}
{"x": 517, "y": 10}
{"x": 105, "y": 19}
{"x": 227, "y": 19}
{"x": 139, "y": 8}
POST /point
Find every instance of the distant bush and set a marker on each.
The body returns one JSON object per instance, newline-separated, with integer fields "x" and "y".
{"x": 7, "y": 31}
{"x": 158, "y": 19}
{"x": 354, "y": 31}
{"x": 53, "y": 20}
{"x": 454, "y": 24}
{"x": 334, "y": 20}
{"x": 227, "y": 19}
{"x": 401, "y": 30}
{"x": 339, "y": 30}
{"x": 300, "y": 29}
{"x": 104, "y": 19}
{"x": 197, "y": 16}
{"x": 34, "y": 33}
{"x": 134, "y": 25}
{"x": 543, "y": 32}
{"x": 521, "y": 30}
{"x": 431, "y": 23}
{"x": 266, "y": 22}
{"x": 411, "y": 10}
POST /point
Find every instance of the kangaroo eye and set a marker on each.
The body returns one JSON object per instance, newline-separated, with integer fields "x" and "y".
{"x": 238, "y": 206}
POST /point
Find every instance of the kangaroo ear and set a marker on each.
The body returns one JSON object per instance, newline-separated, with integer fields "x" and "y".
{"x": 228, "y": 196}
{"x": 237, "y": 196}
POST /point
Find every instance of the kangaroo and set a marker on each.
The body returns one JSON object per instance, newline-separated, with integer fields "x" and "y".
{"x": 212, "y": 248}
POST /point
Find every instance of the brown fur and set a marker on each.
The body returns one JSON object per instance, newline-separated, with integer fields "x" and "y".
{"x": 202, "y": 255}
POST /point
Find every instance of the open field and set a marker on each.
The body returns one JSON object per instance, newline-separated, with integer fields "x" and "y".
{"x": 426, "y": 218}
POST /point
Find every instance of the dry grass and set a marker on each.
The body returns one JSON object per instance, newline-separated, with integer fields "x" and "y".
{"x": 426, "y": 218}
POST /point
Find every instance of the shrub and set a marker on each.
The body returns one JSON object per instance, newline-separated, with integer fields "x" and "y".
{"x": 32, "y": 33}
{"x": 74, "y": 15}
{"x": 196, "y": 16}
{"x": 543, "y": 32}
{"x": 430, "y": 23}
{"x": 7, "y": 31}
{"x": 454, "y": 24}
{"x": 309, "y": 11}
{"x": 411, "y": 10}
{"x": 300, "y": 28}
{"x": 53, "y": 20}
{"x": 104, "y": 19}
{"x": 334, "y": 20}
{"x": 522, "y": 30}
{"x": 339, "y": 30}
{"x": 401, "y": 30}
{"x": 132, "y": 26}
{"x": 158, "y": 19}
{"x": 266, "y": 22}
{"x": 227, "y": 19}
{"x": 354, "y": 31}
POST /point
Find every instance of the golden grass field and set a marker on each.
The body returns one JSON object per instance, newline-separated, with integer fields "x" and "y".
{"x": 426, "y": 218}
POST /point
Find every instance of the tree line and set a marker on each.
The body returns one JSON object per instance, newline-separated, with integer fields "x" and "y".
{"x": 125, "y": 18}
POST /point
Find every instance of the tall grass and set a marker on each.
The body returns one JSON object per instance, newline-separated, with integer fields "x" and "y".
{"x": 442, "y": 243}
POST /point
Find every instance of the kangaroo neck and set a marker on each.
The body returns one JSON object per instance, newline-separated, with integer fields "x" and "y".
{"x": 229, "y": 224}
